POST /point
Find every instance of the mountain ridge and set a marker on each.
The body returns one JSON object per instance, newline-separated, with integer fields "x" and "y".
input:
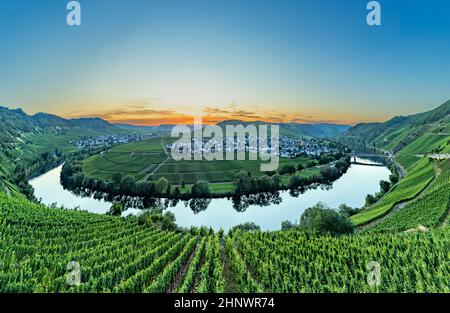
{"x": 399, "y": 131}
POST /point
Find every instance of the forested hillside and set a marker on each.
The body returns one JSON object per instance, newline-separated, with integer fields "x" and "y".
{"x": 31, "y": 143}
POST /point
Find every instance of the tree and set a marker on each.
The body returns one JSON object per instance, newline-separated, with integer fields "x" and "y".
{"x": 242, "y": 182}
{"x": 285, "y": 225}
{"x": 341, "y": 165}
{"x": 78, "y": 179}
{"x": 161, "y": 186}
{"x": 127, "y": 185}
{"x": 156, "y": 217}
{"x": 329, "y": 173}
{"x": 176, "y": 192}
{"x": 200, "y": 190}
{"x": 116, "y": 209}
{"x": 393, "y": 178}
{"x": 370, "y": 199}
{"x": 296, "y": 181}
{"x": 346, "y": 210}
{"x": 287, "y": 169}
{"x": 145, "y": 188}
{"x": 265, "y": 183}
{"x": 117, "y": 178}
{"x": 168, "y": 221}
{"x": 384, "y": 186}
{"x": 322, "y": 219}
{"x": 248, "y": 226}
{"x": 325, "y": 158}
{"x": 300, "y": 167}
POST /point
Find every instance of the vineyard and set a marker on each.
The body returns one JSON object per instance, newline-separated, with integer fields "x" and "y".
{"x": 291, "y": 261}
{"x": 420, "y": 175}
{"x": 114, "y": 254}
{"x": 148, "y": 160}
{"x": 41, "y": 247}
{"x": 429, "y": 210}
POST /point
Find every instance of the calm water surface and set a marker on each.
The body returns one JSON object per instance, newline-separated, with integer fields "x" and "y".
{"x": 351, "y": 189}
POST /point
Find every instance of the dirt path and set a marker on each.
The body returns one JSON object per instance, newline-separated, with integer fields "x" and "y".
{"x": 230, "y": 284}
{"x": 180, "y": 276}
{"x": 200, "y": 266}
{"x": 401, "y": 173}
{"x": 148, "y": 168}
{"x": 18, "y": 158}
{"x": 8, "y": 192}
{"x": 446, "y": 220}
{"x": 401, "y": 170}
{"x": 397, "y": 207}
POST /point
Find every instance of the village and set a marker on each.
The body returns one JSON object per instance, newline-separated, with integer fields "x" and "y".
{"x": 109, "y": 140}
{"x": 285, "y": 147}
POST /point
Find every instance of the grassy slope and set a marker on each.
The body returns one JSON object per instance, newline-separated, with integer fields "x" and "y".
{"x": 425, "y": 144}
{"x": 134, "y": 159}
{"x": 418, "y": 177}
{"x": 429, "y": 210}
{"x": 389, "y": 140}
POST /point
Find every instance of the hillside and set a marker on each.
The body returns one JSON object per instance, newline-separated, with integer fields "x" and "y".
{"x": 407, "y": 233}
{"x": 286, "y": 129}
{"x": 422, "y": 197}
{"x": 126, "y": 255}
{"x": 297, "y": 129}
{"x": 26, "y": 141}
{"x": 401, "y": 131}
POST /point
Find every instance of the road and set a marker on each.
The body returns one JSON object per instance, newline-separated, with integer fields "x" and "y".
{"x": 145, "y": 170}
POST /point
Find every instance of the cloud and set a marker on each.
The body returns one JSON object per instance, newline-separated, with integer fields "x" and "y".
{"x": 147, "y": 111}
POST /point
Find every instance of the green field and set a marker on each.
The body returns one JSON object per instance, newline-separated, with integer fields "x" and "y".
{"x": 142, "y": 161}
{"x": 419, "y": 176}
{"x": 136, "y": 159}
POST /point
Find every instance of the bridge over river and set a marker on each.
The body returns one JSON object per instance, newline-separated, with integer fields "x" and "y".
{"x": 354, "y": 159}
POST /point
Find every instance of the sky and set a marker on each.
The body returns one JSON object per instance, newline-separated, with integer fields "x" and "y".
{"x": 149, "y": 62}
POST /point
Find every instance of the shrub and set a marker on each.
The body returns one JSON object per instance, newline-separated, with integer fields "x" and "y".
{"x": 248, "y": 226}
{"x": 287, "y": 169}
{"x": 200, "y": 190}
{"x": 322, "y": 219}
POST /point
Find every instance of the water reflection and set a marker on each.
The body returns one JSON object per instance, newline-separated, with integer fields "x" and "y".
{"x": 240, "y": 203}
{"x": 265, "y": 210}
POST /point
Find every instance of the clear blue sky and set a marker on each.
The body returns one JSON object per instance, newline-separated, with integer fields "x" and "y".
{"x": 144, "y": 61}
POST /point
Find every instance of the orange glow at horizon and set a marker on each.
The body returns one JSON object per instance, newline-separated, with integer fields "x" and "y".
{"x": 155, "y": 118}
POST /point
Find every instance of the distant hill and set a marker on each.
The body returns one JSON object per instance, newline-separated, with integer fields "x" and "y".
{"x": 397, "y": 133}
{"x": 44, "y": 120}
{"x": 24, "y": 136}
{"x": 299, "y": 130}
{"x": 164, "y": 128}
{"x": 96, "y": 124}
{"x": 286, "y": 129}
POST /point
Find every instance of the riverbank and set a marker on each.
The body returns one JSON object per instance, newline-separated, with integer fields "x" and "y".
{"x": 267, "y": 211}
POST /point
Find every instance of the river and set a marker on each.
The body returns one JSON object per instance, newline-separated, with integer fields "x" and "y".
{"x": 351, "y": 189}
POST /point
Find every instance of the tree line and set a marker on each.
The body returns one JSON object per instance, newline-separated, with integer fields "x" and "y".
{"x": 73, "y": 178}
